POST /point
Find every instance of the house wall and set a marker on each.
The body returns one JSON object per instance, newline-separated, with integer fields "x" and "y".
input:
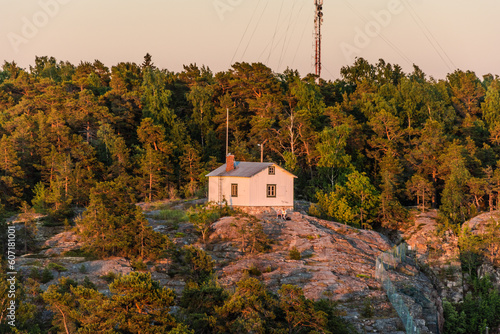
{"x": 284, "y": 189}
{"x": 243, "y": 190}
{"x": 252, "y": 192}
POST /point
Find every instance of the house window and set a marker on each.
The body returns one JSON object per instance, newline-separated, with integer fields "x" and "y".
{"x": 271, "y": 170}
{"x": 271, "y": 190}
{"x": 234, "y": 190}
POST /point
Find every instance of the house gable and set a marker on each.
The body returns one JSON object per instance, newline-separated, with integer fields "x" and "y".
{"x": 251, "y": 184}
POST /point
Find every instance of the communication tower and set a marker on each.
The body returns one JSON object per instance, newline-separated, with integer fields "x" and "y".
{"x": 318, "y": 20}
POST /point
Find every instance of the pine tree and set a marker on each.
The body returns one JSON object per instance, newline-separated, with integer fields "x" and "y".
{"x": 11, "y": 174}
{"x": 113, "y": 225}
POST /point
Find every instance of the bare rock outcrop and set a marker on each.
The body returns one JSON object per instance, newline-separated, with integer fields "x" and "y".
{"x": 60, "y": 243}
{"x": 438, "y": 255}
{"x": 336, "y": 262}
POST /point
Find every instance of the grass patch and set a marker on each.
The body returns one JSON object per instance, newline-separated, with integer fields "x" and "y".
{"x": 176, "y": 216}
{"x": 363, "y": 276}
{"x": 89, "y": 256}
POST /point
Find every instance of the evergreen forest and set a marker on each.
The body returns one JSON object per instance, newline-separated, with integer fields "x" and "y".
{"x": 376, "y": 140}
{"x": 364, "y": 147}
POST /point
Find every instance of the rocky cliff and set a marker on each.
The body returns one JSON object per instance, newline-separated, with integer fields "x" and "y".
{"x": 330, "y": 260}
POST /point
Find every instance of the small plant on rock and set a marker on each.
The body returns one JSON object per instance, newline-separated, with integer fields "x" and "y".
{"x": 139, "y": 265}
{"x": 46, "y": 276}
{"x": 367, "y": 311}
{"x": 57, "y": 267}
{"x": 294, "y": 254}
{"x": 254, "y": 271}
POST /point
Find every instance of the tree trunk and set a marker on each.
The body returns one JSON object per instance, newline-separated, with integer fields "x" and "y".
{"x": 150, "y": 185}
{"x": 64, "y": 319}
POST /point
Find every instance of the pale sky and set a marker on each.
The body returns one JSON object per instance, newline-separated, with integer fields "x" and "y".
{"x": 437, "y": 35}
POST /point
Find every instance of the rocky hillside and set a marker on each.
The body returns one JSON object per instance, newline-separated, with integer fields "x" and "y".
{"x": 438, "y": 253}
{"x": 327, "y": 259}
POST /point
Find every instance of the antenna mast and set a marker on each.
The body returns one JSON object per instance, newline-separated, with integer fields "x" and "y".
{"x": 318, "y": 20}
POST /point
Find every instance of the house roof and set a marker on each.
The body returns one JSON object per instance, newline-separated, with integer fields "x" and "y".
{"x": 244, "y": 169}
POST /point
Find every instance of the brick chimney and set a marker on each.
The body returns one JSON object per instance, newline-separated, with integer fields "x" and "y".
{"x": 229, "y": 162}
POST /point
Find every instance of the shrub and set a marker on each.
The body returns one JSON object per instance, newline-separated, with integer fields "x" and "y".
{"x": 110, "y": 276}
{"x": 35, "y": 273}
{"x": 57, "y": 267}
{"x": 367, "y": 310}
{"x": 254, "y": 271}
{"x": 139, "y": 265}
{"x": 46, "y": 276}
{"x": 294, "y": 254}
{"x": 87, "y": 283}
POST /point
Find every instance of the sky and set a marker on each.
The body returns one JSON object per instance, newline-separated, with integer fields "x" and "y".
{"x": 439, "y": 36}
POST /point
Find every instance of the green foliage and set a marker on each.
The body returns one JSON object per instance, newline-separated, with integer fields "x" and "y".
{"x": 57, "y": 267}
{"x": 46, "y": 276}
{"x": 113, "y": 225}
{"x": 367, "y": 311}
{"x": 353, "y": 203}
{"x": 254, "y": 271}
{"x": 249, "y": 309}
{"x": 27, "y": 316}
{"x": 356, "y": 144}
{"x": 471, "y": 252}
{"x": 138, "y": 265}
{"x": 335, "y": 322}
{"x": 480, "y": 308}
{"x": 110, "y": 276}
{"x": 89, "y": 256}
{"x": 299, "y": 312}
{"x": 35, "y": 273}
{"x": 199, "y": 304}
{"x": 202, "y": 218}
{"x": 199, "y": 264}
{"x": 88, "y": 284}
{"x": 136, "y": 304}
{"x": 83, "y": 269}
{"x": 251, "y": 234}
{"x": 175, "y": 216}
{"x": 453, "y": 209}
{"x": 294, "y": 254}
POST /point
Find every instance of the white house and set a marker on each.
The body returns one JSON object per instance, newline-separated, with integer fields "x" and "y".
{"x": 251, "y": 184}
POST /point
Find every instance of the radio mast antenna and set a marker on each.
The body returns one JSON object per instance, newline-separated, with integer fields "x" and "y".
{"x": 318, "y": 20}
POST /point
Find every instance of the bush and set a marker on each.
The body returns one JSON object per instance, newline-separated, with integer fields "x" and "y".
{"x": 83, "y": 269}
{"x": 35, "y": 273}
{"x": 110, "y": 277}
{"x": 139, "y": 265}
{"x": 335, "y": 323}
{"x": 57, "y": 267}
{"x": 294, "y": 254}
{"x": 254, "y": 271}
{"x": 193, "y": 263}
{"x": 46, "y": 276}
{"x": 367, "y": 310}
{"x": 87, "y": 283}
